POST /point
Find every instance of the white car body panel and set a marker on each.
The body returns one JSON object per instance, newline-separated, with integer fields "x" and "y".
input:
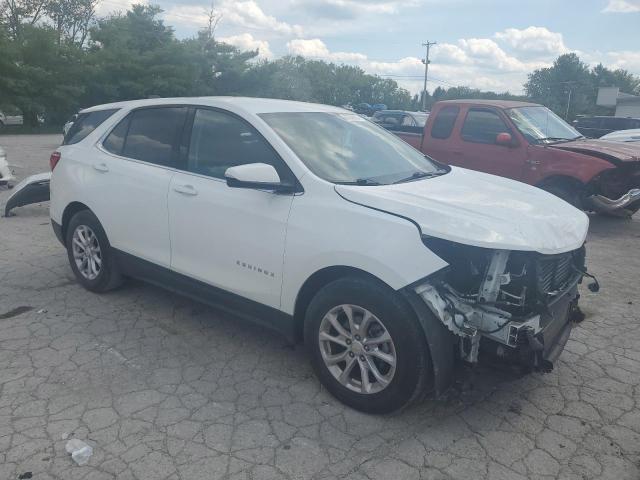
{"x": 371, "y": 228}
{"x": 324, "y": 231}
{"x": 482, "y": 210}
{"x": 631, "y": 135}
{"x": 130, "y": 198}
{"x": 231, "y": 238}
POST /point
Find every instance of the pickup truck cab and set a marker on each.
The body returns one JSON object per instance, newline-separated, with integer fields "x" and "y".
{"x": 529, "y": 143}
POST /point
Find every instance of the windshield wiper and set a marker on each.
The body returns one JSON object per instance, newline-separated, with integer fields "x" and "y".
{"x": 552, "y": 140}
{"x": 420, "y": 174}
{"x": 360, "y": 181}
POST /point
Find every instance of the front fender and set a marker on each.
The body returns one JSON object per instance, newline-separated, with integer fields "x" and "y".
{"x": 330, "y": 231}
{"x": 547, "y": 162}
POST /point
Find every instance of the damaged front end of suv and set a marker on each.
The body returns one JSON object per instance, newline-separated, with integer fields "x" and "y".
{"x": 511, "y": 306}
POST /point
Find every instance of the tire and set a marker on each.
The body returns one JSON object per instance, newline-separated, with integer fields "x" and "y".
{"x": 404, "y": 382}
{"x": 104, "y": 276}
{"x": 566, "y": 191}
{"x": 632, "y": 210}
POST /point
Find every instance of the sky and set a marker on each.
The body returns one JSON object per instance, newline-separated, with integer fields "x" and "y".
{"x": 486, "y": 44}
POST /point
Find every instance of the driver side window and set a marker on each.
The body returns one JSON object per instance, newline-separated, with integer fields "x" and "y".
{"x": 220, "y": 140}
{"x": 483, "y": 126}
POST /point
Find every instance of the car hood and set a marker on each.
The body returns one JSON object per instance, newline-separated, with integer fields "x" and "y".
{"x": 615, "y": 152}
{"x": 481, "y": 210}
{"x": 631, "y": 135}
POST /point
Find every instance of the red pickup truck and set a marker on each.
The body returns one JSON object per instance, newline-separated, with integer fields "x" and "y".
{"x": 529, "y": 143}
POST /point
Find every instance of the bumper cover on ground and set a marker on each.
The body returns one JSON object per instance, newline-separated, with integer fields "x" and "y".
{"x": 33, "y": 189}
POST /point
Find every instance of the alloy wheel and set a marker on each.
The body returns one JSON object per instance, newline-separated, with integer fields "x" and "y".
{"x": 357, "y": 349}
{"x": 86, "y": 252}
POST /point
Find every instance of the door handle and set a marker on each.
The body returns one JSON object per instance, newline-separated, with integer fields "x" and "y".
{"x": 185, "y": 190}
{"x": 101, "y": 167}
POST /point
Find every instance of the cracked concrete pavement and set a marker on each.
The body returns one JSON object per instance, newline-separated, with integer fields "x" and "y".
{"x": 163, "y": 387}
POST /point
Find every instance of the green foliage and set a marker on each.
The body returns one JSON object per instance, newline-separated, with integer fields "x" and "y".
{"x": 569, "y": 75}
{"x": 56, "y": 58}
{"x": 295, "y": 78}
{"x": 455, "y": 93}
{"x": 38, "y": 75}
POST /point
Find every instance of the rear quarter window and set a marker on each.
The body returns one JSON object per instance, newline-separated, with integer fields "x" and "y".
{"x": 444, "y": 122}
{"x": 85, "y": 124}
{"x": 149, "y": 134}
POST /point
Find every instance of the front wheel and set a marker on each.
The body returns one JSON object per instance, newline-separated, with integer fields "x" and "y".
{"x": 366, "y": 346}
{"x": 568, "y": 192}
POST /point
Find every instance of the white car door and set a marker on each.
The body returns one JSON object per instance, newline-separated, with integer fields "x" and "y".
{"x": 231, "y": 238}
{"x": 136, "y": 160}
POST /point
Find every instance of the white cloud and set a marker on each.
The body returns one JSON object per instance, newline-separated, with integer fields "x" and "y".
{"x": 316, "y": 48}
{"x": 192, "y": 15}
{"x": 474, "y": 62}
{"x": 107, "y": 7}
{"x": 246, "y": 41}
{"x": 622, "y": 6}
{"x": 536, "y": 40}
{"x": 246, "y": 14}
{"x": 624, "y": 59}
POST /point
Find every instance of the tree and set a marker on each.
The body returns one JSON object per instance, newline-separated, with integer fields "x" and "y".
{"x": 625, "y": 81}
{"x": 15, "y": 14}
{"x": 566, "y": 87}
{"x": 71, "y": 19}
{"x": 38, "y": 75}
{"x": 570, "y": 88}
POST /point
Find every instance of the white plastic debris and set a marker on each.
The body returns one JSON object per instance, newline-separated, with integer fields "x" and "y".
{"x": 79, "y": 450}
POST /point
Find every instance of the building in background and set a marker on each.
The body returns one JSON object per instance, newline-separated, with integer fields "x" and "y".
{"x": 626, "y": 105}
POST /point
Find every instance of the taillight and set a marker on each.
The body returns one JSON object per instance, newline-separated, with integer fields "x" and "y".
{"x": 54, "y": 159}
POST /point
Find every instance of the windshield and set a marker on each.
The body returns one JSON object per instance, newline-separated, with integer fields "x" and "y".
{"x": 541, "y": 125}
{"x": 346, "y": 148}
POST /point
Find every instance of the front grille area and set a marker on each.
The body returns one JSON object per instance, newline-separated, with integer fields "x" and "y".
{"x": 554, "y": 272}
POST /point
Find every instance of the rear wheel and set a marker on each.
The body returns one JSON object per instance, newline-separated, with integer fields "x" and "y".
{"x": 90, "y": 255}
{"x": 366, "y": 346}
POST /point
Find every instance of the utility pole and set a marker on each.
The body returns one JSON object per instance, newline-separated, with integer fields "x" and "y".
{"x": 569, "y": 85}
{"x": 426, "y": 62}
{"x": 566, "y": 115}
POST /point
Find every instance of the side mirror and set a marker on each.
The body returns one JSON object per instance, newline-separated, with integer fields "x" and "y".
{"x": 258, "y": 176}
{"x": 504, "y": 139}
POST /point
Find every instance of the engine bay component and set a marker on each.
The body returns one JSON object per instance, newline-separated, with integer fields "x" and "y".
{"x": 506, "y": 298}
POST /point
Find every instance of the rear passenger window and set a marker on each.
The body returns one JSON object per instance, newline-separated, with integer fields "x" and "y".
{"x": 444, "y": 122}
{"x": 483, "y": 126}
{"x": 153, "y": 134}
{"x": 115, "y": 141}
{"x": 85, "y": 124}
{"x": 220, "y": 140}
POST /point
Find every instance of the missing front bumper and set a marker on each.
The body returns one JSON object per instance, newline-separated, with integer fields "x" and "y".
{"x": 534, "y": 342}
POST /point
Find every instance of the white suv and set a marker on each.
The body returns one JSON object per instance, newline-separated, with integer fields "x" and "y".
{"x": 312, "y": 220}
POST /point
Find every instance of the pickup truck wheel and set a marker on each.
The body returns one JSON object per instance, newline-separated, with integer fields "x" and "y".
{"x": 90, "y": 254}
{"x": 366, "y": 346}
{"x": 566, "y": 191}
